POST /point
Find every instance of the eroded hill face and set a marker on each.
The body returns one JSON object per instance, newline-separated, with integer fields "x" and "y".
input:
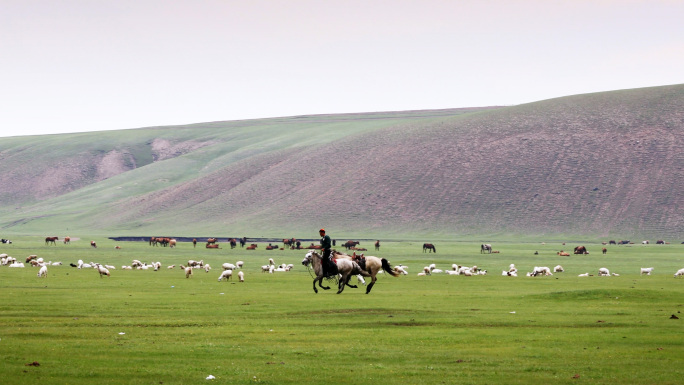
{"x": 607, "y": 164}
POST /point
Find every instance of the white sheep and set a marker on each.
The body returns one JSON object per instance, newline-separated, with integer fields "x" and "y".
{"x": 400, "y": 270}
{"x": 265, "y": 268}
{"x": 646, "y": 270}
{"x": 558, "y": 269}
{"x": 16, "y": 264}
{"x": 225, "y": 274}
{"x": 188, "y": 271}
{"x": 271, "y": 261}
{"x": 584, "y": 275}
{"x": 43, "y": 271}
{"x": 603, "y": 272}
{"x": 241, "y": 276}
{"x": 679, "y": 273}
{"x": 124, "y": 267}
{"x": 171, "y": 267}
{"x": 228, "y": 266}
{"x": 207, "y": 267}
{"x": 102, "y": 270}
{"x": 239, "y": 264}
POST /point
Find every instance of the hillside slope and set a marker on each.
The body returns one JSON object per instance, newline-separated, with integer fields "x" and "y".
{"x": 604, "y": 165}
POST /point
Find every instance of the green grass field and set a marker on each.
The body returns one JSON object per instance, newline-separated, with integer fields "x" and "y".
{"x": 146, "y": 327}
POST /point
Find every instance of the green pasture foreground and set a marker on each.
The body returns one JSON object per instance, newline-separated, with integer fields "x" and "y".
{"x": 146, "y": 327}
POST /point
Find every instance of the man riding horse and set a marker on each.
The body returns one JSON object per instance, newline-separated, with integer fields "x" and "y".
{"x": 329, "y": 267}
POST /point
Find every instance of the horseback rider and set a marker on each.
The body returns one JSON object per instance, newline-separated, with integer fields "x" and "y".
{"x": 329, "y": 267}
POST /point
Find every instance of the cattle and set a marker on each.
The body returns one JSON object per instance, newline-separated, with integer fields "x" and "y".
{"x": 611, "y": 242}
{"x": 6, "y": 241}
{"x": 211, "y": 241}
{"x": 604, "y": 250}
{"x": 581, "y": 250}
{"x": 624, "y": 243}
{"x": 563, "y": 253}
{"x": 660, "y": 242}
{"x": 485, "y": 248}
{"x": 253, "y": 246}
{"x": 212, "y": 246}
{"x": 349, "y": 244}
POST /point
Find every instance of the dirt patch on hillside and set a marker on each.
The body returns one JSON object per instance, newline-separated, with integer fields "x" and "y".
{"x": 166, "y": 149}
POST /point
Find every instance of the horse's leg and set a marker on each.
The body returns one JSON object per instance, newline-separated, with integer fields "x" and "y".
{"x": 370, "y": 285}
{"x": 320, "y": 284}
{"x": 314, "y": 285}
{"x": 342, "y": 281}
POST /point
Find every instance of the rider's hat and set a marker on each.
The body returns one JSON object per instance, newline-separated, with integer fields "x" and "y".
{"x": 321, "y": 231}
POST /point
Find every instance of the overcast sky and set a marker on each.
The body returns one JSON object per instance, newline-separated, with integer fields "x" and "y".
{"x": 90, "y": 65}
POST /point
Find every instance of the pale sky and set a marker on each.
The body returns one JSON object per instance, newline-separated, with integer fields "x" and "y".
{"x": 91, "y": 65}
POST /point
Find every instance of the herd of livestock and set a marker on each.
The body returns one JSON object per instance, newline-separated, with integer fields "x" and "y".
{"x": 228, "y": 269}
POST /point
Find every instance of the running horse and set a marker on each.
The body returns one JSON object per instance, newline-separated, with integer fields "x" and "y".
{"x": 371, "y": 265}
{"x": 345, "y": 267}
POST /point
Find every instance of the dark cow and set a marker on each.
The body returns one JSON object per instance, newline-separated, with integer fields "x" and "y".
{"x": 624, "y": 243}
{"x": 581, "y": 250}
{"x": 604, "y": 250}
{"x": 349, "y": 244}
{"x": 429, "y": 247}
{"x": 611, "y": 242}
{"x": 660, "y": 242}
{"x": 6, "y": 241}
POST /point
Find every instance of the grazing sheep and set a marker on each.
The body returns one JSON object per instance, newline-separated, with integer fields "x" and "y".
{"x": 271, "y": 261}
{"x": 102, "y": 270}
{"x": 265, "y": 268}
{"x": 558, "y": 269}
{"x": 207, "y": 267}
{"x": 541, "y": 270}
{"x": 110, "y": 267}
{"x": 171, "y": 267}
{"x": 427, "y": 270}
{"x": 452, "y": 272}
{"x": 188, "y": 272}
{"x": 646, "y": 270}
{"x": 228, "y": 266}
{"x": 124, "y": 267}
{"x": 679, "y": 273}
{"x": 225, "y": 274}
{"x": 241, "y": 276}
{"x": 603, "y": 272}
{"x": 400, "y": 270}
{"x": 43, "y": 271}
{"x": 239, "y": 264}
{"x": 16, "y": 264}
{"x": 56, "y": 263}
{"x": 584, "y": 275}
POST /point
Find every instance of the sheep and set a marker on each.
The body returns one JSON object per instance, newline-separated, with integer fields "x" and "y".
{"x": 241, "y": 276}
{"x": 437, "y": 271}
{"x": 584, "y": 275}
{"x": 427, "y": 270}
{"x": 43, "y": 271}
{"x": 400, "y": 270}
{"x": 135, "y": 264}
{"x": 225, "y": 274}
{"x": 124, "y": 267}
{"x": 271, "y": 269}
{"x": 558, "y": 269}
{"x": 207, "y": 267}
{"x": 271, "y": 261}
{"x": 679, "y": 273}
{"x": 646, "y": 270}
{"x": 239, "y": 264}
{"x": 16, "y": 264}
{"x": 157, "y": 265}
{"x": 102, "y": 270}
{"x": 110, "y": 267}
{"x": 541, "y": 270}
{"x": 56, "y": 263}
{"x": 228, "y": 266}
{"x": 603, "y": 272}
{"x": 188, "y": 271}
{"x": 264, "y": 268}
{"x": 452, "y": 272}
{"x": 171, "y": 267}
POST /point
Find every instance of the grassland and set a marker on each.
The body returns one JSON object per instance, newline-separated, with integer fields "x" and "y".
{"x": 145, "y": 327}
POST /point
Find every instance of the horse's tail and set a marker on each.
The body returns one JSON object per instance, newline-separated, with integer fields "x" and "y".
{"x": 388, "y": 269}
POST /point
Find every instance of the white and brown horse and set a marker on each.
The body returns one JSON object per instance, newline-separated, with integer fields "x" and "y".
{"x": 371, "y": 265}
{"x": 345, "y": 267}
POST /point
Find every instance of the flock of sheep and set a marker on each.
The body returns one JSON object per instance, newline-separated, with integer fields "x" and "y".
{"x": 271, "y": 267}
{"x": 104, "y": 270}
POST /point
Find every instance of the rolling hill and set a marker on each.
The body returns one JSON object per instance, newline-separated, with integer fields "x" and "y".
{"x": 595, "y": 165}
